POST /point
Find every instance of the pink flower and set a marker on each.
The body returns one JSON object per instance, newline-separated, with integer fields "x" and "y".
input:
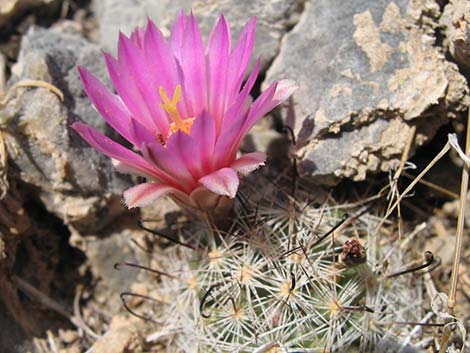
{"x": 182, "y": 107}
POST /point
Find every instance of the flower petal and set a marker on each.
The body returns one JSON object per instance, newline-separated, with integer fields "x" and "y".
{"x": 223, "y": 182}
{"x": 218, "y": 51}
{"x": 132, "y": 59}
{"x": 139, "y": 133}
{"x": 126, "y": 87}
{"x": 269, "y": 100}
{"x": 159, "y": 55}
{"x": 177, "y": 32}
{"x": 108, "y": 104}
{"x": 203, "y": 134}
{"x": 234, "y": 121}
{"x": 114, "y": 150}
{"x": 137, "y": 37}
{"x": 240, "y": 57}
{"x": 170, "y": 160}
{"x": 124, "y": 168}
{"x": 274, "y": 95}
{"x": 193, "y": 65}
{"x": 249, "y": 162}
{"x": 144, "y": 194}
{"x": 240, "y": 102}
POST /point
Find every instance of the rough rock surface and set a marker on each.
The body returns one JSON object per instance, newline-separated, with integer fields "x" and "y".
{"x": 274, "y": 18}
{"x": 12, "y": 8}
{"x": 76, "y": 182}
{"x": 368, "y": 71}
{"x": 456, "y": 21}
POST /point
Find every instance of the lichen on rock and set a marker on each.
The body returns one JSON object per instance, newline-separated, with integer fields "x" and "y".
{"x": 367, "y": 72}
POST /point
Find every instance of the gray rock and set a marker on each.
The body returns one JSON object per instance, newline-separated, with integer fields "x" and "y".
{"x": 10, "y": 9}
{"x": 368, "y": 70}
{"x": 456, "y": 21}
{"x": 75, "y": 182}
{"x": 274, "y": 18}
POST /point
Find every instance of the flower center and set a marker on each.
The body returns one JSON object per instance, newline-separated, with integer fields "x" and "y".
{"x": 170, "y": 106}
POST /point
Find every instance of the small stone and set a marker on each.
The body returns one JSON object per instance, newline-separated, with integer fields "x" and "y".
{"x": 456, "y": 21}
{"x": 68, "y": 336}
{"x": 114, "y": 341}
{"x": 141, "y": 290}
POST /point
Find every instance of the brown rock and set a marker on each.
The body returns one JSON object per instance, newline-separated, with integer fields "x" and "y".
{"x": 456, "y": 21}
{"x": 10, "y": 9}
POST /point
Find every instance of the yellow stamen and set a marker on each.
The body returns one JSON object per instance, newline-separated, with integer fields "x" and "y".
{"x": 172, "y": 110}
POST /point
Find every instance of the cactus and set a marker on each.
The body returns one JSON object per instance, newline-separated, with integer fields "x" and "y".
{"x": 287, "y": 275}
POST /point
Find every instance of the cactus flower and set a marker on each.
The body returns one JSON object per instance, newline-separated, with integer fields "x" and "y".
{"x": 182, "y": 107}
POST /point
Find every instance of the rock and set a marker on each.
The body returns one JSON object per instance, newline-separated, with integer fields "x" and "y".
{"x": 10, "y": 9}
{"x": 456, "y": 21}
{"x": 274, "y": 18}
{"x": 368, "y": 71}
{"x": 103, "y": 254}
{"x": 74, "y": 181}
{"x": 114, "y": 341}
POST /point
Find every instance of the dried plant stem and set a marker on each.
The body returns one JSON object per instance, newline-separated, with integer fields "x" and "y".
{"x": 396, "y": 176}
{"x": 42, "y": 298}
{"x": 458, "y": 241}
{"x": 30, "y": 83}
{"x": 406, "y": 152}
{"x": 48, "y": 302}
{"x": 434, "y": 186}
{"x": 460, "y": 224}
{"x": 4, "y": 185}
{"x": 431, "y": 164}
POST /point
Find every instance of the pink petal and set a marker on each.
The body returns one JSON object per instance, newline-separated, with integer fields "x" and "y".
{"x": 276, "y": 93}
{"x": 204, "y": 133}
{"x": 239, "y": 103}
{"x": 137, "y": 37}
{"x": 194, "y": 67}
{"x": 196, "y": 149}
{"x": 127, "y": 169}
{"x": 170, "y": 160}
{"x": 223, "y": 156}
{"x": 114, "y": 150}
{"x": 108, "y": 104}
{"x": 132, "y": 60}
{"x": 140, "y": 134}
{"x": 125, "y": 85}
{"x": 233, "y": 122}
{"x": 257, "y": 110}
{"x": 282, "y": 90}
{"x": 187, "y": 147}
{"x": 249, "y": 162}
{"x": 223, "y": 182}
{"x": 218, "y": 51}
{"x": 177, "y": 32}
{"x": 240, "y": 58}
{"x": 160, "y": 60}
{"x": 144, "y": 194}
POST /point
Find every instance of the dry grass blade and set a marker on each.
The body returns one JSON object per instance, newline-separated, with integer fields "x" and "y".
{"x": 31, "y": 83}
{"x": 4, "y": 185}
{"x": 433, "y": 186}
{"x": 458, "y": 240}
{"x": 460, "y": 224}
